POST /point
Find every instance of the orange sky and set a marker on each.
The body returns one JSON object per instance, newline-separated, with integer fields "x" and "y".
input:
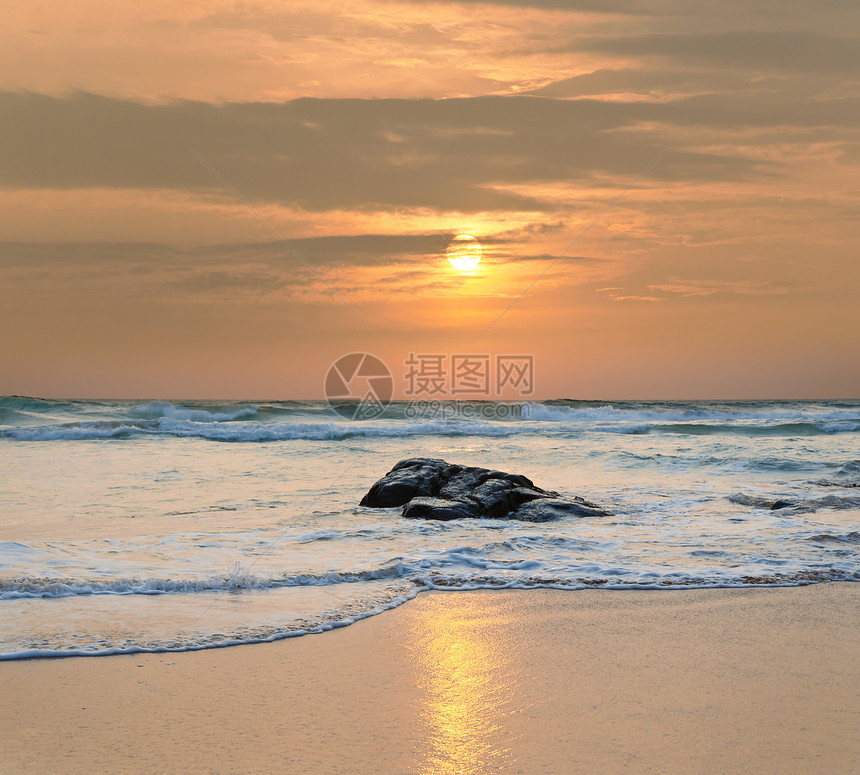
{"x": 369, "y": 137}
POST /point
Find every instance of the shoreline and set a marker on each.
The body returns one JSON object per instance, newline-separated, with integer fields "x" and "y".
{"x": 36, "y": 655}
{"x": 701, "y": 680}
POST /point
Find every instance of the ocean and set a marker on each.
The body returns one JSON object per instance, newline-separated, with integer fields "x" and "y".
{"x": 137, "y": 526}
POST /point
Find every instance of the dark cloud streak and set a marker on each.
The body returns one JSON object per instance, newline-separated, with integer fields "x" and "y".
{"x": 763, "y": 51}
{"x": 355, "y": 154}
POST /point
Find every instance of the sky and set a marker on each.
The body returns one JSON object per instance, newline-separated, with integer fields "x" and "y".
{"x": 220, "y": 199}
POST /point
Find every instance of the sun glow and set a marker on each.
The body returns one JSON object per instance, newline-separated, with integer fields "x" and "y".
{"x": 464, "y": 253}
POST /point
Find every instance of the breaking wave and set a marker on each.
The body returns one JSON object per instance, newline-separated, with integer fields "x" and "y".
{"x": 234, "y": 427}
{"x": 237, "y": 580}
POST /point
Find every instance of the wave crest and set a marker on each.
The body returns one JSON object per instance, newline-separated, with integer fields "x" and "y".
{"x": 236, "y": 580}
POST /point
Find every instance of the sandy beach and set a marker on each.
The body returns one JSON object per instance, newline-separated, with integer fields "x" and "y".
{"x": 698, "y": 681}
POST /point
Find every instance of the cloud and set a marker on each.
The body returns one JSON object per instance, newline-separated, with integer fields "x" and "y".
{"x": 671, "y": 7}
{"x": 635, "y": 298}
{"x": 647, "y": 7}
{"x": 790, "y": 51}
{"x": 230, "y": 271}
{"x": 636, "y": 81}
{"x": 549, "y": 258}
{"x": 713, "y": 287}
{"x": 325, "y": 154}
{"x": 325, "y": 251}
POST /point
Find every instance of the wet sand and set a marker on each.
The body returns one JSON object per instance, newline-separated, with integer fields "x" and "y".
{"x": 543, "y": 681}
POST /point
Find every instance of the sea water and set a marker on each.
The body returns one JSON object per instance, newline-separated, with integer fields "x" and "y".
{"x": 150, "y": 526}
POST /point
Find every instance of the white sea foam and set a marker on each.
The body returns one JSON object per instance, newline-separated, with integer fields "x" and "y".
{"x": 252, "y": 432}
{"x": 17, "y": 588}
{"x": 211, "y": 641}
{"x": 164, "y": 409}
{"x": 236, "y": 431}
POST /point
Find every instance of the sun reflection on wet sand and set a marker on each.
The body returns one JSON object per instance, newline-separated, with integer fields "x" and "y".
{"x": 466, "y": 686}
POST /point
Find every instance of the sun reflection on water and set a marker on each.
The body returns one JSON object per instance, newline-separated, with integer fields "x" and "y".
{"x": 466, "y": 688}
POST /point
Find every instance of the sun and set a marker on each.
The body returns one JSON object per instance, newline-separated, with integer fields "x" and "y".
{"x": 464, "y": 253}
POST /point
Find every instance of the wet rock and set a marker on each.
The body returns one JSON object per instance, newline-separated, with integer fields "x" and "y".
{"x": 781, "y": 504}
{"x": 547, "y": 509}
{"x": 440, "y": 508}
{"x": 429, "y": 488}
{"x": 409, "y": 479}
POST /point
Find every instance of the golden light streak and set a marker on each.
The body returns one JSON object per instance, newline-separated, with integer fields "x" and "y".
{"x": 467, "y": 686}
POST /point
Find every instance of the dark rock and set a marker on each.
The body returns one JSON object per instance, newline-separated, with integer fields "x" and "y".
{"x": 429, "y": 488}
{"x": 408, "y": 479}
{"x": 440, "y": 508}
{"x": 547, "y": 509}
{"x": 780, "y": 504}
